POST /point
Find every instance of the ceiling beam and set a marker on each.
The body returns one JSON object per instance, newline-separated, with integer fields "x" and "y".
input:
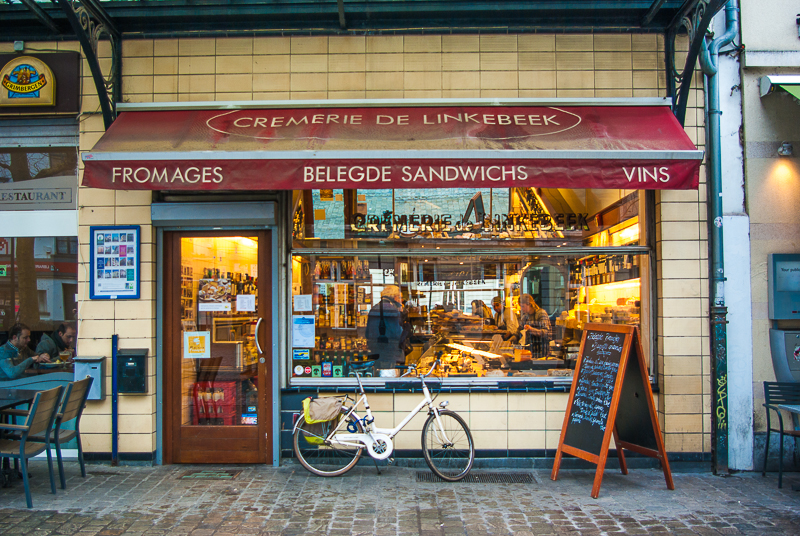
{"x": 652, "y": 12}
{"x": 342, "y": 21}
{"x": 40, "y": 14}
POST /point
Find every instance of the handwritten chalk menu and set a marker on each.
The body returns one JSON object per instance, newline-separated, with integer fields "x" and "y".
{"x": 610, "y": 397}
{"x": 115, "y": 263}
{"x": 594, "y": 390}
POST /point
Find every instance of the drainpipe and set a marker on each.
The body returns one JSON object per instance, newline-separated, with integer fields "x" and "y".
{"x": 709, "y": 61}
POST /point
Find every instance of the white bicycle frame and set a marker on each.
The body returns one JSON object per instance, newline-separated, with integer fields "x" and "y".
{"x": 378, "y": 441}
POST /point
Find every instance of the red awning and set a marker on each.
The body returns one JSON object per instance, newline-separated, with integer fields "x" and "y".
{"x": 280, "y": 148}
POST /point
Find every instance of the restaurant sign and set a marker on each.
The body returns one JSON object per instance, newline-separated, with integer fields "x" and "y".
{"x": 629, "y": 147}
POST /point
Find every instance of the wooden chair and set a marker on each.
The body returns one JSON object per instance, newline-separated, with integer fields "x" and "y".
{"x": 38, "y": 422}
{"x": 71, "y": 410}
{"x": 776, "y": 394}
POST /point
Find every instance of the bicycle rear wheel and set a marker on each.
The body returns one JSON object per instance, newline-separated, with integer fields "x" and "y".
{"x": 320, "y": 458}
{"x": 449, "y": 450}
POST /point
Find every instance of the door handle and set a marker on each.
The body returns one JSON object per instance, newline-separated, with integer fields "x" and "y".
{"x": 258, "y": 345}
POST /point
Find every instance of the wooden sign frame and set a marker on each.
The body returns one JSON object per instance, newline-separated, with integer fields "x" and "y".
{"x": 631, "y": 404}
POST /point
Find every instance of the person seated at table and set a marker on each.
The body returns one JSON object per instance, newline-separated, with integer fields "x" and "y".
{"x": 60, "y": 341}
{"x": 18, "y": 338}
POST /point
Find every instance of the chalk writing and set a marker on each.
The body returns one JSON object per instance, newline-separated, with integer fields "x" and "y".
{"x": 598, "y": 373}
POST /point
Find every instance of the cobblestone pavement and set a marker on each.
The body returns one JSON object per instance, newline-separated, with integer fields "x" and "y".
{"x": 137, "y": 500}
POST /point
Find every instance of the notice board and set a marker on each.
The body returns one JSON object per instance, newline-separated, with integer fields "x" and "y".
{"x": 610, "y": 397}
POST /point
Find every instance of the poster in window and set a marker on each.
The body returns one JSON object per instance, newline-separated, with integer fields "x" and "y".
{"x": 115, "y": 257}
{"x": 196, "y": 344}
{"x": 214, "y": 295}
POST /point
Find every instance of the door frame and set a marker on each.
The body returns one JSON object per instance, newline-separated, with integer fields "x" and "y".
{"x": 232, "y": 216}
{"x": 172, "y": 341}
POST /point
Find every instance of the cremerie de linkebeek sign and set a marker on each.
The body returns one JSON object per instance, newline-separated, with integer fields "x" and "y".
{"x": 404, "y": 147}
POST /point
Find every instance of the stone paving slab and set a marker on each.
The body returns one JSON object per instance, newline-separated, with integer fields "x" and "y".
{"x": 155, "y": 501}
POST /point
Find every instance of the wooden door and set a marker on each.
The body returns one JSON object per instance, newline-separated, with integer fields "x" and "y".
{"x": 217, "y": 347}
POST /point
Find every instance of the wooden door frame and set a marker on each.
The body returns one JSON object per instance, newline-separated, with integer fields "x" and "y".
{"x": 171, "y": 345}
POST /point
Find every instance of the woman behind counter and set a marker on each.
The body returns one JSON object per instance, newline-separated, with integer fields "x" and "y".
{"x": 534, "y": 326}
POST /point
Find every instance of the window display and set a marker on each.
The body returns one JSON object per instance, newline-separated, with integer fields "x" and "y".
{"x": 497, "y": 282}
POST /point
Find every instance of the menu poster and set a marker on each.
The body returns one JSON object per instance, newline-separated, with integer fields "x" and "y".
{"x": 115, "y": 261}
{"x": 214, "y": 295}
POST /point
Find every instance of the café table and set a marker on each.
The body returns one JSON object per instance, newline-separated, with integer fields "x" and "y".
{"x": 794, "y": 409}
{"x": 11, "y": 398}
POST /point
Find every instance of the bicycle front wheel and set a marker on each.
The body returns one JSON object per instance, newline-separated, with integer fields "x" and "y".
{"x": 318, "y": 457}
{"x": 448, "y": 448}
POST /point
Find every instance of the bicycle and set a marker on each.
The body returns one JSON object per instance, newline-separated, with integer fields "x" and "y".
{"x": 447, "y": 444}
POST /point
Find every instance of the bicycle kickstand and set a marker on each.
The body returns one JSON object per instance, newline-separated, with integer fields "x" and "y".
{"x": 376, "y": 465}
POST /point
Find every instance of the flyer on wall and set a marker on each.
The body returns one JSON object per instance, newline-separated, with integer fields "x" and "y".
{"x": 115, "y": 270}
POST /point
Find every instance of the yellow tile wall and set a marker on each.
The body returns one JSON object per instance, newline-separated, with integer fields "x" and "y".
{"x": 355, "y": 67}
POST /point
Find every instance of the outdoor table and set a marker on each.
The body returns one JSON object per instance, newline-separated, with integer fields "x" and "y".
{"x": 49, "y": 368}
{"x": 11, "y": 398}
{"x": 794, "y": 409}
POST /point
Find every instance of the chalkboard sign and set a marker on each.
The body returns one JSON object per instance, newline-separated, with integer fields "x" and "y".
{"x": 610, "y": 396}
{"x": 594, "y": 389}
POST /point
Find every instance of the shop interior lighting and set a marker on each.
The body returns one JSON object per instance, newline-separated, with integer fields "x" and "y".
{"x": 621, "y": 285}
{"x": 629, "y": 234}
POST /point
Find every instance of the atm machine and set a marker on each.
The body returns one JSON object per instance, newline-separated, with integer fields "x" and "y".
{"x": 784, "y": 313}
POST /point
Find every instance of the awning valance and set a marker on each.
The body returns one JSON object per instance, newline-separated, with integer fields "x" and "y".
{"x": 431, "y": 146}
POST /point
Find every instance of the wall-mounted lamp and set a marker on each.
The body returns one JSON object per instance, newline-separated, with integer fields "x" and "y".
{"x": 785, "y": 149}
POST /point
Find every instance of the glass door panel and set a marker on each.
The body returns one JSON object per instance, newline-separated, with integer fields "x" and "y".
{"x": 219, "y": 304}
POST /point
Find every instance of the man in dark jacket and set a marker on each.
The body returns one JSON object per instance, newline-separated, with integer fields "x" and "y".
{"x": 386, "y": 331}
{"x": 60, "y": 341}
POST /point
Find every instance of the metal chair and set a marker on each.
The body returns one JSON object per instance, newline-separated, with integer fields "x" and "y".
{"x": 776, "y": 394}
{"x": 38, "y": 422}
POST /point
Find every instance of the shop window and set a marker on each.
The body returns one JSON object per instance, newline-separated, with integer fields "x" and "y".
{"x": 19, "y": 165}
{"x": 43, "y": 308}
{"x": 538, "y": 216}
{"x": 66, "y": 245}
{"x": 38, "y": 283}
{"x": 462, "y": 257}
{"x": 372, "y": 313}
{"x": 38, "y": 178}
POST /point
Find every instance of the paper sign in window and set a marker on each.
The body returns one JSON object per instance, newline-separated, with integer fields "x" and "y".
{"x": 196, "y": 344}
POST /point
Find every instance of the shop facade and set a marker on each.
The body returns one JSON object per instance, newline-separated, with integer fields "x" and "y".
{"x": 766, "y": 199}
{"x": 253, "y": 263}
{"x": 39, "y": 107}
